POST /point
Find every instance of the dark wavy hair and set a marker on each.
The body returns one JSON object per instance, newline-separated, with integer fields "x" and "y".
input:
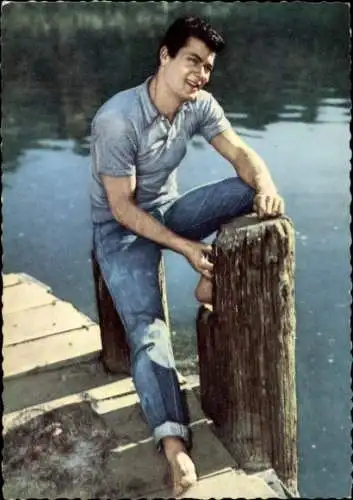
{"x": 185, "y": 27}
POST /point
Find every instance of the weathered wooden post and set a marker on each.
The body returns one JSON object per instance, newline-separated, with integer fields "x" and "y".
{"x": 247, "y": 346}
{"x": 115, "y": 354}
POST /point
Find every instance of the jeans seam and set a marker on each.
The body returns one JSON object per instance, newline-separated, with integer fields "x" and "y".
{"x": 145, "y": 402}
{"x": 121, "y": 316}
{"x": 177, "y": 408}
{"x": 200, "y": 224}
{"x": 216, "y": 220}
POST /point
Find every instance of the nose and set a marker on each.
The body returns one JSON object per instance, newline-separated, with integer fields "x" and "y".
{"x": 202, "y": 74}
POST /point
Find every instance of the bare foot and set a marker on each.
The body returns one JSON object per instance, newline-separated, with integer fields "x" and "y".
{"x": 182, "y": 468}
{"x": 203, "y": 292}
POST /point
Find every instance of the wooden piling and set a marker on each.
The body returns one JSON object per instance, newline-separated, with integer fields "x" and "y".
{"x": 247, "y": 346}
{"x": 115, "y": 354}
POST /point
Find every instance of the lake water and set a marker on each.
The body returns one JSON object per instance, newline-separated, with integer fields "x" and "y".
{"x": 46, "y": 233}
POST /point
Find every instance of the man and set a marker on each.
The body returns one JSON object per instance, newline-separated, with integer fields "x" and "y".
{"x": 139, "y": 137}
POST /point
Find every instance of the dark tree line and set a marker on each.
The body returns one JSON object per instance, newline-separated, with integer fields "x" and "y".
{"x": 62, "y": 60}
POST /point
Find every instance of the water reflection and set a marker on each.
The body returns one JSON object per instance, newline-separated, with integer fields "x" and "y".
{"x": 82, "y": 58}
{"x": 285, "y": 88}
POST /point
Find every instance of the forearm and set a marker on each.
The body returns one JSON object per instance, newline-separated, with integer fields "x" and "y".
{"x": 143, "y": 224}
{"x": 253, "y": 170}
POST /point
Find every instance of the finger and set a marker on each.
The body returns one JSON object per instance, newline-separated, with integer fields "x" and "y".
{"x": 207, "y": 249}
{"x": 269, "y": 205}
{"x": 206, "y": 264}
{"x": 260, "y": 212}
{"x": 207, "y": 254}
{"x": 281, "y": 206}
{"x": 254, "y": 205}
{"x": 274, "y": 206}
{"x": 256, "y": 202}
{"x": 260, "y": 206}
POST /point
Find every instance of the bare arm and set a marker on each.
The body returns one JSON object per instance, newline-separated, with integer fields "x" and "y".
{"x": 252, "y": 169}
{"x": 247, "y": 163}
{"x": 120, "y": 192}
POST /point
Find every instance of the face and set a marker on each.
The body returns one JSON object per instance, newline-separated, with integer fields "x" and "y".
{"x": 189, "y": 71}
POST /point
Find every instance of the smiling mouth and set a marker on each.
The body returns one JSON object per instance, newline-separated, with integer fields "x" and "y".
{"x": 194, "y": 86}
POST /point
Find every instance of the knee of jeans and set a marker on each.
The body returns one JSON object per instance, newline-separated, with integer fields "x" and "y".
{"x": 149, "y": 334}
{"x": 241, "y": 185}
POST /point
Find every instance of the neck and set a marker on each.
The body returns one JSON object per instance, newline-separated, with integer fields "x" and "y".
{"x": 163, "y": 99}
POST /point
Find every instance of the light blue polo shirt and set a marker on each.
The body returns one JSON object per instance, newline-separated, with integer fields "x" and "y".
{"x": 130, "y": 137}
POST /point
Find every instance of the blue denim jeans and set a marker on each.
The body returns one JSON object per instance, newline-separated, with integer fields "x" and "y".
{"x": 130, "y": 264}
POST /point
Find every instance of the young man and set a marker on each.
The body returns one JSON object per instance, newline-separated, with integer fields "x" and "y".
{"x": 139, "y": 137}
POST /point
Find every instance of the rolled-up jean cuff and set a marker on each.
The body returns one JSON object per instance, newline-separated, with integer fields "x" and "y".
{"x": 171, "y": 429}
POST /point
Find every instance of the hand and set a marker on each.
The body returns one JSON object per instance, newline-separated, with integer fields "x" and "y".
{"x": 197, "y": 254}
{"x": 268, "y": 205}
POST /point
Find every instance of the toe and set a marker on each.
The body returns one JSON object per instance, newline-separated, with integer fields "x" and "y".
{"x": 188, "y": 480}
{"x": 177, "y": 490}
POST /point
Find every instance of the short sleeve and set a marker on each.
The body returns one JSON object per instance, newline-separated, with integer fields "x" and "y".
{"x": 112, "y": 146}
{"x": 212, "y": 118}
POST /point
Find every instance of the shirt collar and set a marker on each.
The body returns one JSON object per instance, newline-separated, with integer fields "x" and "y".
{"x": 149, "y": 109}
{"x": 187, "y": 105}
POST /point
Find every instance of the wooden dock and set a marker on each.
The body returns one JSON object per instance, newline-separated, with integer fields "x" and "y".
{"x": 52, "y": 370}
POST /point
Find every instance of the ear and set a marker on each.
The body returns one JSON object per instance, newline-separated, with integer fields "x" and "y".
{"x": 163, "y": 55}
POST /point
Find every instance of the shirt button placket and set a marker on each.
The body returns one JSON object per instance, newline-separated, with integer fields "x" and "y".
{"x": 168, "y": 129}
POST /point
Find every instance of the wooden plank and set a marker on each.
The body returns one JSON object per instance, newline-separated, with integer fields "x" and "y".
{"x": 227, "y": 484}
{"x": 10, "y": 280}
{"x": 150, "y": 472}
{"x": 114, "y": 396}
{"x": 40, "y": 353}
{"x": 26, "y": 278}
{"x": 114, "y": 390}
{"x": 115, "y": 402}
{"x": 16, "y": 418}
{"x": 39, "y": 388}
{"x": 25, "y": 296}
{"x": 208, "y": 452}
{"x": 37, "y": 322}
{"x": 45, "y": 385}
{"x": 118, "y": 389}
{"x": 41, "y": 332}
{"x": 270, "y": 477}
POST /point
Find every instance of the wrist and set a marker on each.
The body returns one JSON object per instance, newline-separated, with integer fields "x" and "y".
{"x": 266, "y": 188}
{"x": 265, "y": 185}
{"x": 183, "y": 246}
{"x": 266, "y": 192}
